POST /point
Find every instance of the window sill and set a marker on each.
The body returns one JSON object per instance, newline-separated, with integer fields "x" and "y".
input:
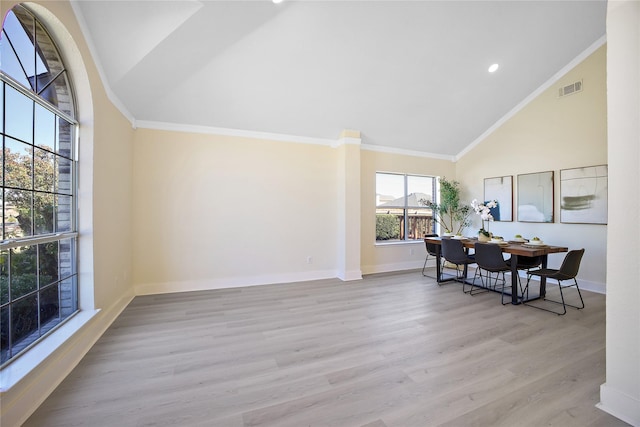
{"x": 18, "y": 369}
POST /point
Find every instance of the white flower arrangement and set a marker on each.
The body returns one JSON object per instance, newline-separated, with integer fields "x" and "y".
{"x": 484, "y": 210}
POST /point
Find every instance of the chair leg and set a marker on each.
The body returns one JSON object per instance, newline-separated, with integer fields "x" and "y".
{"x": 486, "y": 288}
{"x": 425, "y": 265}
{"x": 564, "y": 304}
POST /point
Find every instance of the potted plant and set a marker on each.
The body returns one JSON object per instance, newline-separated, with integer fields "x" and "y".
{"x": 450, "y": 213}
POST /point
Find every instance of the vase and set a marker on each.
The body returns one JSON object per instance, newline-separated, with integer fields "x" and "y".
{"x": 483, "y": 238}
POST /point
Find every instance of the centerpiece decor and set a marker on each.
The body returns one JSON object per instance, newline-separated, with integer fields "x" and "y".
{"x": 484, "y": 210}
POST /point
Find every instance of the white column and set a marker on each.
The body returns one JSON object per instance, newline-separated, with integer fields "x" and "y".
{"x": 620, "y": 394}
{"x": 349, "y": 205}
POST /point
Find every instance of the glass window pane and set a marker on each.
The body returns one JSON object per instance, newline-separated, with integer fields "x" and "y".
{"x": 4, "y": 333}
{"x": 17, "y": 164}
{"x": 12, "y": 29}
{"x": 23, "y": 274}
{"x": 420, "y": 189}
{"x": 389, "y": 224}
{"x": 48, "y": 64}
{"x": 24, "y": 323}
{"x": 47, "y": 263}
{"x": 64, "y": 176}
{"x": 4, "y": 277}
{"x": 38, "y": 283}
{"x": 66, "y": 258}
{"x": 44, "y": 167}
{"x": 18, "y": 115}
{"x": 68, "y": 296}
{"x": 43, "y": 207}
{"x": 17, "y": 210}
{"x": 2, "y": 85}
{"x": 58, "y": 93}
{"x": 63, "y": 217}
{"x": 49, "y": 308}
{"x": 389, "y": 190}
{"x": 420, "y": 223}
{"x": 64, "y": 141}
{"x": 44, "y": 128}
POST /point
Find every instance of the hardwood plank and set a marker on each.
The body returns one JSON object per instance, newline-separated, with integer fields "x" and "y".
{"x": 393, "y": 349}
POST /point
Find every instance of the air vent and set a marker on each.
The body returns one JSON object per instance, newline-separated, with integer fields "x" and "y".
{"x": 570, "y": 89}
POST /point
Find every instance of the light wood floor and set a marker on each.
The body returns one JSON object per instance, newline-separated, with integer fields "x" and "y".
{"x": 390, "y": 350}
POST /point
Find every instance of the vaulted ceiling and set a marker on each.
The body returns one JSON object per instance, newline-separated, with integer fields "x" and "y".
{"x": 410, "y": 75}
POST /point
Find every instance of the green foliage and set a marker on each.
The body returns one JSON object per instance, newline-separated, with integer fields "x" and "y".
{"x": 452, "y": 216}
{"x": 387, "y": 227}
{"x": 18, "y": 174}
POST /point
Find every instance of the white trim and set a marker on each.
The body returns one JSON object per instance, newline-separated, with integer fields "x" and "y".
{"x": 546, "y": 85}
{"x": 210, "y": 130}
{"x": 96, "y": 60}
{"x": 397, "y": 266}
{"x": 348, "y": 276}
{"x": 403, "y": 152}
{"x": 231, "y": 282}
{"x": 347, "y": 141}
{"x": 619, "y": 404}
{"x": 30, "y": 379}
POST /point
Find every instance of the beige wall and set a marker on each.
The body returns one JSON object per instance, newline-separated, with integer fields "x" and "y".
{"x": 217, "y": 211}
{"x": 104, "y": 200}
{"x": 378, "y": 258}
{"x": 550, "y": 134}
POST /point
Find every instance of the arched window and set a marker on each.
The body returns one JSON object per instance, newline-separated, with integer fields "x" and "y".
{"x": 38, "y": 265}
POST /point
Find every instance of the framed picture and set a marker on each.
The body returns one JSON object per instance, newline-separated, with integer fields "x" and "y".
{"x": 500, "y": 189}
{"x": 535, "y": 197}
{"x": 583, "y": 195}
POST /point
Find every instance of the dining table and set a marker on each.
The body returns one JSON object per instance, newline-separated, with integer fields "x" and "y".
{"x": 515, "y": 249}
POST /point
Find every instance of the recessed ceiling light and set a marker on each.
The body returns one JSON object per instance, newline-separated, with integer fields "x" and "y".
{"x": 494, "y": 68}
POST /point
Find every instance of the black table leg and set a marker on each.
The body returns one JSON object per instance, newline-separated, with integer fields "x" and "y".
{"x": 543, "y": 279}
{"x": 514, "y": 279}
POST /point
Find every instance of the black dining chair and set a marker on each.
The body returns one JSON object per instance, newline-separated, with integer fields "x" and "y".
{"x": 454, "y": 253}
{"x": 567, "y": 271}
{"x": 432, "y": 250}
{"x": 490, "y": 261}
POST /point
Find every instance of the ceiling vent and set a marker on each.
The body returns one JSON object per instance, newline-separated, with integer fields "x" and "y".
{"x": 570, "y": 89}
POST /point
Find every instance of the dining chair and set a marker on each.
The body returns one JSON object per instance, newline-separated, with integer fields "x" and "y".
{"x": 567, "y": 271}
{"x": 490, "y": 260}
{"x": 432, "y": 250}
{"x": 454, "y": 253}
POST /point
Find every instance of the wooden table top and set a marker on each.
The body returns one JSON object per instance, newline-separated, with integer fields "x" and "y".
{"x": 515, "y": 248}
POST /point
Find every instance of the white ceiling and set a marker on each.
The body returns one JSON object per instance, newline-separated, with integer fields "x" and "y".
{"x": 410, "y": 75}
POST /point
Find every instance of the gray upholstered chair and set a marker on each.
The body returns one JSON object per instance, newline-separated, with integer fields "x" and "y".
{"x": 454, "y": 253}
{"x": 567, "y": 271}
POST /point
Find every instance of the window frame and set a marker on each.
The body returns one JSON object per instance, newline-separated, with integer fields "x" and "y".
{"x": 406, "y": 208}
{"x": 65, "y": 164}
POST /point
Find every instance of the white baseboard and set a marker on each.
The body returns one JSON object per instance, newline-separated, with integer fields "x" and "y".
{"x": 399, "y": 266}
{"x": 230, "y": 282}
{"x": 347, "y": 276}
{"x": 620, "y": 405}
{"x": 26, "y": 387}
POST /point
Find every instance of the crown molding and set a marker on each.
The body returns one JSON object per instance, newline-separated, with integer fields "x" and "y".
{"x": 546, "y": 85}
{"x": 209, "y": 130}
{"x": 403, "y": 152}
